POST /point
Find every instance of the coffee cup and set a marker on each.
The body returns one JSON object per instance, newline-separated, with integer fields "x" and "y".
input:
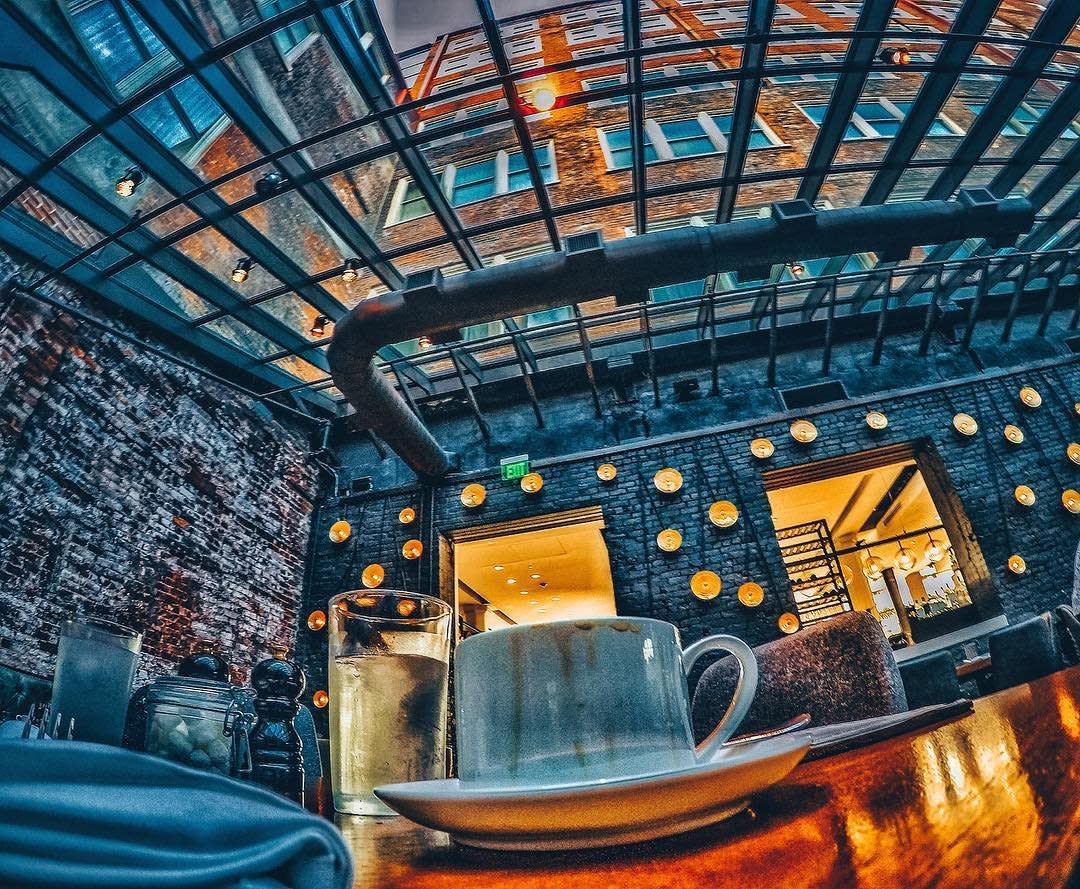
{"x": 575, "y": 701}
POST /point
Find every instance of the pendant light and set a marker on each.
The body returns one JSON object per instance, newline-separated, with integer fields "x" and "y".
{"x": 905, "y": 559}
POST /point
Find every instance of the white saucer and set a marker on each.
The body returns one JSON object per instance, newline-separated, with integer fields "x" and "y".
{"x": 601, "y": 813}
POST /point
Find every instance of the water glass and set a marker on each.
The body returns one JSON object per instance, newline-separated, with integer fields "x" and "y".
{"x": 389, "y": 668}
{"x": 95, "y": 666}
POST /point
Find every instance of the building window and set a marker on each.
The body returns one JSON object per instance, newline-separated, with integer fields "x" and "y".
{"x": 812, "y": 58}
{"x": 840, "y": 10}
{"x": 293, "y": 39}
{"x": 601, "y": 31}
{"x": 681, "y": 138}
{"x": 516, "y": 29}
{"x": 503, "y": 173}
{"x": 1024, "y": 118}
{"x": 465, "y": 42}
{"x": 659, "y": 75}
{"x": 469, "y": 61}
{"x": 880, "y": 119}
{"x": 607, "y": 11}
{"x": 523, "y": 46}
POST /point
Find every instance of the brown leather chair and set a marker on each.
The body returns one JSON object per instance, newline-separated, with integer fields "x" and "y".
{"x": 839, "y": 670}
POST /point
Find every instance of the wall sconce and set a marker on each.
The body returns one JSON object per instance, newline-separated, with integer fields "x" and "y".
{"x": 723, "y": 513}
{"x": 318, "y": 326}
{"x": 1073, "y": 452}
{"x": 751, "y": 594}
{"x": 797, "y": 268}
{"x": 606, "y": 472}
{"x": 762, "y": 448}
{"x": 407, "y": 516}
{"x": 423, "y": 342}
{"x": 320, "y": 699}
{"x": 131, "y": 180}
{"x": 532, "y": 483}
{"x": 351, "y": 271}
{"x": 1024, "y": 495}
{"x": 373, "y": 576}
{"x": 242, "y": 270}
{"x": 1016, "y": 564}
{"x": 706, "y": 585}
{"x": 1014, "y": 434}
{"x": 788, "y": 623}
{"x": 473, "y": 495}
{"x": 669, "y": 540}
{"x": 876, "y": 420}
{"x": 1030, "y": 397}
{"x": 544, "y": 97}
{"x": 1076, "y": 408}
{"x": 412, "y": 549}
{"x": 340, "y": 531}
{"x": 895, "y": 56}
{"x": 965, "y": 424}
{"x": 1070, "y": 499}
{"x": 803, "y": 431}
{"x": 668, "y": 480}
{"x": 316, "y": 620}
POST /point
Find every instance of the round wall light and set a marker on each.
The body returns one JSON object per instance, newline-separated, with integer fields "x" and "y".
{"x": 532, "y": 483}
{"x": 1030, "y": 397}
{"x": 1014, "y": 434}
{"x": 473, "y": 495}
{"x": 762, "y": 448}
{"x": 606, "y": 472}
{"x": 320, "y": 699}
{"x": 1070, "y": 499}
{"x": 788, "y": 623}
{"x": 407, "y": 516}
{"x": 669, "y": 540}
{"x": 316, "y": 620}
{"x": 876, "y": 420}
{"x": 373, "y": 576}
{"x": 751, "y": 594}
{"x": 723, "y": 513}
{"x": 340, "y": 531}
{"x": 706, "y": 585}
{"x": 965, "y": 424}
{"x": 412, "y": 549}
{"x": 668, "y": 480}
{"x": 1024, "y": 495}
{"x": 803, "y": 431}
{"x": 1016, "y": 564}
{"x": 1073, "y": 452}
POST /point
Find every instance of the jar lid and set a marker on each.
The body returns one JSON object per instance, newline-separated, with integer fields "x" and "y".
{"x": 191, "y": 692}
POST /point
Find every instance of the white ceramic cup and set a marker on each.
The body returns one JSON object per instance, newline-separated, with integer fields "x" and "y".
{"x": 584, "y": 700}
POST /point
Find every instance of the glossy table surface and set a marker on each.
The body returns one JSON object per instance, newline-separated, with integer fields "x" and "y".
{"x": 989, "y": 800}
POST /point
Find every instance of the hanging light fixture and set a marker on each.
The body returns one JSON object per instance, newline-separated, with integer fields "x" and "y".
{"x": 242, "y": 270}
{"x": 934, "y": 552}
{"x": 352, "y": 270}
{"x": 873, "y": 567}
{"x": 318, "y": 326}
{"x": 905, "y": 558}
{"x": 895, "y": 55}
{"x": 131, "y": 180}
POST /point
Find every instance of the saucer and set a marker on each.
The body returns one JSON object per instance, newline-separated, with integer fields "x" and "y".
{"x": 609, "y": 812}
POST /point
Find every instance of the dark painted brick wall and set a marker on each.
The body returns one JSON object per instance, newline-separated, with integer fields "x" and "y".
{"x": 717, "y": 464}
{"x": 138, "y": 491}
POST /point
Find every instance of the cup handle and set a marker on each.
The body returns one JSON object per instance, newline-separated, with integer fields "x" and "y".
{"x": 745, "y": 689}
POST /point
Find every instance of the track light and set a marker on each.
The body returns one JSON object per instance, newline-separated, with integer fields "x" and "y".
{"x": 242, "y": 270}
{"x": 352, "y": 270}
{"x": 269, "y": 183}
{"x": 895, "y": 56}
{"x": 318, "y": 326}
{"x": 126, "y": 184}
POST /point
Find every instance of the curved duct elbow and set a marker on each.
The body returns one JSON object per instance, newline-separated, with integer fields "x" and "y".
{"x": 628, "y": 268}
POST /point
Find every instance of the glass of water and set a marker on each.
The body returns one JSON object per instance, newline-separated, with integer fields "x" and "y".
{"x": 95, "y": 666}
{"x": 389, "y": 667}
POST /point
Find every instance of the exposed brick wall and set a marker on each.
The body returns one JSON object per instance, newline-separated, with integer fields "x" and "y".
{"x": 138, "y": 491}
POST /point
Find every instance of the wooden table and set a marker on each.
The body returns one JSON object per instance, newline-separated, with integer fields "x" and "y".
{"x": 989, "y": 800}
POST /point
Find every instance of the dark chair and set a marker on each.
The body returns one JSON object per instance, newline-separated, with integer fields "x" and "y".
{"x": 930, "y": 679}
{"x": 19, "y": 692}
{"x": 1067, "y": 630}
{"x": 1023, "y": 652}
{"x": 837, "y": 671}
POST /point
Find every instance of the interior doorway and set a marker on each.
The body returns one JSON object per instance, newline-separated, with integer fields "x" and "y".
{"x": 881, "y": 531}
{"x": 527, "y": 571}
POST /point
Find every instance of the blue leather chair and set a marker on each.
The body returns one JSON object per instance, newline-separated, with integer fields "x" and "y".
{"x": 930, "y": 679}
{"x": 1023, "y": 652}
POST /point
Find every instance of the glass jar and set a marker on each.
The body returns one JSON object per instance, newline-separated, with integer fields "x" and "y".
{"x": 198, "y": 723}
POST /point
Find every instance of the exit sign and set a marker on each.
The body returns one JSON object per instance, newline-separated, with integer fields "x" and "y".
{"x": 514, "y": 468}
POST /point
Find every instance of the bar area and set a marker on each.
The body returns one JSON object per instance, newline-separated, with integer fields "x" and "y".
{"x": 530, "y": 444}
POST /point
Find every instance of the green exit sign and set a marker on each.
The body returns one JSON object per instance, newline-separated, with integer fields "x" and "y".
{"x": 514, "y": 468}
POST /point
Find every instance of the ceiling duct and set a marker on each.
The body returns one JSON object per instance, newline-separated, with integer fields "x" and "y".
{"x": 435, "y": 306}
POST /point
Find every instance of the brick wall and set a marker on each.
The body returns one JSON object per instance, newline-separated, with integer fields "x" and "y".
{"x": 138, "y": 491}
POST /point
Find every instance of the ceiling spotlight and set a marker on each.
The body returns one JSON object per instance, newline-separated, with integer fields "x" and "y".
{"x": 242, "y": 270}
{"x": 895, "y": 56}
{"x": 269, "y": 183}
{"x": 543, "y": 98}
{"x": 318, "y": 326}
{"x": 126, "y": 184}
{"x": 352, "y": 270}
{"x": 797, "y": 268}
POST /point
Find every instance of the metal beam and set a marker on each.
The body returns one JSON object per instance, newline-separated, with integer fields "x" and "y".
{"x": 858, "y": 60}
{"x": 755, "y": 48}
{"x": 631, "y": 18}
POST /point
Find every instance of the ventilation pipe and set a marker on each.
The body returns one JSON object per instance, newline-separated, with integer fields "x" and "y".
{"x": 588, "y": 268}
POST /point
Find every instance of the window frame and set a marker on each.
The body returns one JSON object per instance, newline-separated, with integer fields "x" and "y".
{"x": 867, "y": 130}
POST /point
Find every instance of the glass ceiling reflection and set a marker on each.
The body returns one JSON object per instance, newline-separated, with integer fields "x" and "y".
{"x": 256, "y": 178}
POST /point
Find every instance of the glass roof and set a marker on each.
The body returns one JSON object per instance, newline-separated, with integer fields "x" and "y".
{"x": 245, "y": 180}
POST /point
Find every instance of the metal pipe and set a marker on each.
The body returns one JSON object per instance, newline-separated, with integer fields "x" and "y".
{"x": 627, "y": 268}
